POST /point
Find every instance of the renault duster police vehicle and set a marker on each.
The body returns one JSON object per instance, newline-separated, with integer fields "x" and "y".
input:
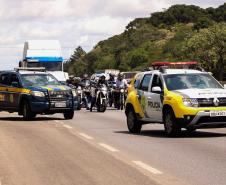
{"x": 33, "y": 92}
{"x": 177, "y": 98}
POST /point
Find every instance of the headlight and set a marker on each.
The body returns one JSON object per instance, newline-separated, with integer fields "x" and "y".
{"x": 190, "y": 102}
{"x": 38, "y": 93}
{"x": 74, "y": 92}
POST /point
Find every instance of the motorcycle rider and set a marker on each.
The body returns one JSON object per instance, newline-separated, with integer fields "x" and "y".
{"x": 121, "y": 83}
{"x": 111, "y": 85}
{"x": 101, "y": 81}
{"x": 85, "y": 84}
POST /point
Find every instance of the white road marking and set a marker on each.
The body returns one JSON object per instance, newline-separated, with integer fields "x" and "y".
{"x": 147, "y": 167}
{"x": 108, "y": 147}
{"x": 85, "y": 136}
{"x": 67, "y": 126}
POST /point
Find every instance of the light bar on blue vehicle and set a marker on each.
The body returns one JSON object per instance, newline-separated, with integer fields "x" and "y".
{"x": 44, "y": 59}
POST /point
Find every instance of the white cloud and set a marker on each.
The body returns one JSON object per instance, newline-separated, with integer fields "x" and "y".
{"x": 73, "y": 22}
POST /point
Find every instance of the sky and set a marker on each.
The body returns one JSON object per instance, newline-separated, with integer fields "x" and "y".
{"x": 72, "y": 22}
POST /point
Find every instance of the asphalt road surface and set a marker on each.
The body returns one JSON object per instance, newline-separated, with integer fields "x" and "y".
{"x": 96, "y": 148}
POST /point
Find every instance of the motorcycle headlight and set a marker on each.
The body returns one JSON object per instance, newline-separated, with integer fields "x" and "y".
{"x": 122, "y": 90}
{"x": 38, "y": 93}
{"x": 104, "y": 89}
{"x": 190, "y": 102}
{"x": 73, "y": 92}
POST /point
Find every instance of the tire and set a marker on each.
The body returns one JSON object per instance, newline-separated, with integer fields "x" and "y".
{"x": 26, "y": 111}
{"x": 172, "y": 128}
{"x": 102, "y": 108}
{"x": 69, "y": 114}
{"x": 134, "y": 126}
{"x": 79, "y": 107}
{"x": 122, "y": 101}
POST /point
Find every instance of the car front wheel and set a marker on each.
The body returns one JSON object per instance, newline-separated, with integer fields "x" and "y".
{"x": 26, "y": 111}
{"x": 170, "y": 124}
{"x": 133, "y": 124}
{"x": 69, "y": 114}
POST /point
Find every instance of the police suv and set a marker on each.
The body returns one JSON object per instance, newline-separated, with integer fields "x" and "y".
{"x": 33, "y": 92}
{"x": 177, "y": 98}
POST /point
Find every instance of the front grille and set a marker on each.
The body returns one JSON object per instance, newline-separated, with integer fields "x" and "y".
{"x": 208, "y": 102}
{"x": 59, "y": 95}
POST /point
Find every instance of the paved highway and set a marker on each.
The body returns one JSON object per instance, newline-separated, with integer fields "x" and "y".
{"x": 96, "y": 148}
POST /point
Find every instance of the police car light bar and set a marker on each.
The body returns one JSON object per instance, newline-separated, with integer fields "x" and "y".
{"x": 42, "y": 69}
{"x": 183, "y": 65}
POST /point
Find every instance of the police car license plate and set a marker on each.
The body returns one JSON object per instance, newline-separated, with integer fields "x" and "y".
{"x": 217, "y": 113}
{"x": 60, "y": 104}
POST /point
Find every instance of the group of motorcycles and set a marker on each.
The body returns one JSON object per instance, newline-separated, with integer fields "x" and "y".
{"x": 101, "y": 95}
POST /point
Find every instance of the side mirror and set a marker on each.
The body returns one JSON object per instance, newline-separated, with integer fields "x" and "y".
{"x": 15, "y": 84}
{"x": 156, "y": 89}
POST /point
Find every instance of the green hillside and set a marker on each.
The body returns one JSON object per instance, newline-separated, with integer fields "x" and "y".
{"x": 180, "y": 33}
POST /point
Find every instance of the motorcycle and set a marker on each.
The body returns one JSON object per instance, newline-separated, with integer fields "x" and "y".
{"x": 79, "y": 96}
{"x": 120, "y": 97}
{"x": 111, "y": 98}
{"x": 101, "y": 98}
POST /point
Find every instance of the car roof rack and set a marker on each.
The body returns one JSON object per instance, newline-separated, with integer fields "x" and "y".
{"x": 41, "y": 69}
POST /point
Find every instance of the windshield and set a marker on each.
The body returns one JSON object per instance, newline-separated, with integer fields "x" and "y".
{"x": 188, "y": 81}
{"x": 49, "y": 66}
{"x": 38, "y": 80}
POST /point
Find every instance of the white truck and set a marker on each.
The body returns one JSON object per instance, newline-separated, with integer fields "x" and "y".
{"x": 44, "y": 53}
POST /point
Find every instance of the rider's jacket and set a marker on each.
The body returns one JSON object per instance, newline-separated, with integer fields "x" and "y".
{"x": 121, "y": 83}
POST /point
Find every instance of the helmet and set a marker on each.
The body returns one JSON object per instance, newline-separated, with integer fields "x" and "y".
{"x": 102, "y": 77}
{"x": 76, "y": 79}
{"x": 120, "y": 75}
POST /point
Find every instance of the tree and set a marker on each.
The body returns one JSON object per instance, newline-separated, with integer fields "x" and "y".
{"x": 118, "y": 57}
{"x": 209, "y": 47}
{"x": 75, "y": 58}
{"x": 202, "y": 22}
{"x": 78, "y": 53}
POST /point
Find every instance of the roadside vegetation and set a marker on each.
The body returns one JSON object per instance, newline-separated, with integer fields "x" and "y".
{"x": 180, "y": 33}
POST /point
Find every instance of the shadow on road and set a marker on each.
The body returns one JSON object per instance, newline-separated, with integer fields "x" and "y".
{"x": 184, "y": 134}
{"x": 33, "y": 120}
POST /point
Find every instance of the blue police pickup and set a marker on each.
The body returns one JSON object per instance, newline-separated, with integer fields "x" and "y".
{"x": 32, "y": 92}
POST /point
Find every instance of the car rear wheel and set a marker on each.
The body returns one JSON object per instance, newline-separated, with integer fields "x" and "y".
{"x": 69, "y": 114}
{"x": 133, "y": 124}
{"x": 170, "y": 124}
